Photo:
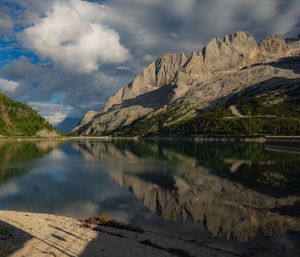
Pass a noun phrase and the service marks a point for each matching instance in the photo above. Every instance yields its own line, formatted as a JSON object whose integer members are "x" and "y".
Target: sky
{"x": 66, "y": 57}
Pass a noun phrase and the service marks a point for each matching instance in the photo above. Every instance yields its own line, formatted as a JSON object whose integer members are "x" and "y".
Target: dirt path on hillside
{"x": 236, "y": 112}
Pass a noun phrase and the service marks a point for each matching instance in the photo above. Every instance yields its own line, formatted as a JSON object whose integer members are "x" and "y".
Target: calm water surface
{"x": 223, "y": 190}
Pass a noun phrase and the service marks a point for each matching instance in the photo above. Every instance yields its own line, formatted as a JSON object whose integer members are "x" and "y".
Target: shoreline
{"x": 2, "y": 138}
{"x": 36, "y": 234}
{"x": 294, "y": 141}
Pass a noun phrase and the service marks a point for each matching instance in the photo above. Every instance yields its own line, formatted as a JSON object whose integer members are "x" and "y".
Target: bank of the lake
{"x": 22, "y": 139}
{"x": 24, "y": 234}
{"x": 282, "y": 140}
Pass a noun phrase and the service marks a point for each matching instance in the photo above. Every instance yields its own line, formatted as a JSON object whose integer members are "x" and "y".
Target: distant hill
{"x": 68, "y": 124}
{"x": 18, "y": 119}
{"x": 234, "y": 86}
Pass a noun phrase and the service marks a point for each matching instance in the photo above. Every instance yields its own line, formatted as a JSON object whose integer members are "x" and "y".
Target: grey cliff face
{"x": 87, "y": 118}
{"x": 195, "y": 80}
{"x": 234, "y": 52}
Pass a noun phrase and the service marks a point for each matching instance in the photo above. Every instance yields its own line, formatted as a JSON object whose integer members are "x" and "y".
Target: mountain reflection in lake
{"x": 236, "y": 191}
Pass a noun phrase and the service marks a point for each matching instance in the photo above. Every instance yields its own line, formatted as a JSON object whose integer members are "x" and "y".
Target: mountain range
{"x": 232, "y": 86}
{"x": 68, "y": 124}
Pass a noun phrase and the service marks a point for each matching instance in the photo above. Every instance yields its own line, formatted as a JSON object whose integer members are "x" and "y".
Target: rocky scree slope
{"x": 178, "y": 89}
{"x": 18, "y": 119}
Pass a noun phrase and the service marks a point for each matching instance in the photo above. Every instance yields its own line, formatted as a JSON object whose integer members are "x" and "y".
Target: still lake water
{"x": 224, "y": 190}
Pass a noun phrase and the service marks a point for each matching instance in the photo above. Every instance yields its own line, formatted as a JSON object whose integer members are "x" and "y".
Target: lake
{"x": 231, "y": 191}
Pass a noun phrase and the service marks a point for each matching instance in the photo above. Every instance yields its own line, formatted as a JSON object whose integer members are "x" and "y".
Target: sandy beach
{"x": 28, "y": 234}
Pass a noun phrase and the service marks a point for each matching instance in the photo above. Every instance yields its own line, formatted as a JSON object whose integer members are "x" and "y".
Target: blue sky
{"x": 65, "y": 57}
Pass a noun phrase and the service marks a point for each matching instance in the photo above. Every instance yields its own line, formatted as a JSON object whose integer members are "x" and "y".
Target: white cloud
{"x": 54, "y": 113}
{"x": 8, "y": 86}
{"x": 71, "y": 37}
{"x": 56, "y": 118}
{"x": 148, "y": 58}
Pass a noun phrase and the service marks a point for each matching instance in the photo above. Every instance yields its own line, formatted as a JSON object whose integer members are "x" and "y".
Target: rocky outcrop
{"x": 47, "y": 133}
{"x": 232, "y": 53}
{"x": 195, "y": 80}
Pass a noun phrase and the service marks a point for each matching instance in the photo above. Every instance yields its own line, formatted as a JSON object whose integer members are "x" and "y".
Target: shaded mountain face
{"x": 177, "y": 88}
{"x": 18, "y": 119}
{"x": 68, "y": 124}
{"x": 235, "y": 190}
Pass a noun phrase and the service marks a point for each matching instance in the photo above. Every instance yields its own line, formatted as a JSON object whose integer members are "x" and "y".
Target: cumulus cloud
{"x": 39, "y": 84}
{"x": 71, "y": 38}
{"x": 54, "y": 113}
{"x": 8, "y": 86}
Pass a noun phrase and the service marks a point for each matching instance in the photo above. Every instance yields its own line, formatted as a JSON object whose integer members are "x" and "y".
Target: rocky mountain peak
{"x": 222, "y": 67}
{"x": 235, "y": 51}
{"x": 274, "y": 46}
